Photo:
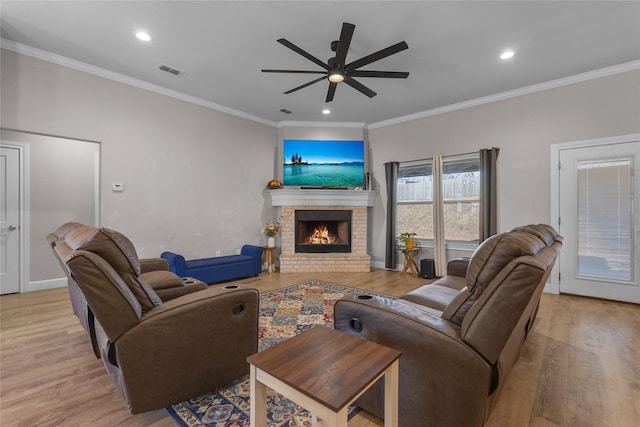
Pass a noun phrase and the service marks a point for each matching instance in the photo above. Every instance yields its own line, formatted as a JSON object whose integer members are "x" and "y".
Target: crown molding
{"x": 322, "y": 124}
{"x": 590, "y": 75}
{"x": 101, "y": 72}
{"x": 121, "y": 78}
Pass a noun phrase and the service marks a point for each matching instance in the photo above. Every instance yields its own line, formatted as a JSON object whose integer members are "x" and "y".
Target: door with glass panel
{"x": 599, "y": 221}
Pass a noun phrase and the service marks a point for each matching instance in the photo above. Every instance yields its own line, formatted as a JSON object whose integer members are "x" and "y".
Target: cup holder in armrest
{"x": 230, "y": 287}
{"x": 364, "y": 297}
{"x": 188, "y": 281}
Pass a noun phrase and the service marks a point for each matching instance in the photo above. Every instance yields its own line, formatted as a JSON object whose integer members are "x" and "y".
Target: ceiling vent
{"x": 170, "y": 70}
{"x": 284, "y": 110}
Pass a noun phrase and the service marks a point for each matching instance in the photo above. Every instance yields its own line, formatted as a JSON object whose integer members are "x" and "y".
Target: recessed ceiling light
{"x": 507, "y": 54}
{"x": 326, "y": 111}
{"x": 143, "y": 36}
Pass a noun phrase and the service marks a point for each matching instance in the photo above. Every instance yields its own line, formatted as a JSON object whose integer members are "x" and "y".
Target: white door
{"x": 599, "y": 221}
{"x": 9, "y": 220}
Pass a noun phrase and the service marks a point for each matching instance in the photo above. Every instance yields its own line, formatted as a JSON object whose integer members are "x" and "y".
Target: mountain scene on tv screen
{"x": 328, "y": 164}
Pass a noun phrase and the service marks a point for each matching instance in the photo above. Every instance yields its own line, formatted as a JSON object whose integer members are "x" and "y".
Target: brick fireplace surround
{"x": 355, "y": 200}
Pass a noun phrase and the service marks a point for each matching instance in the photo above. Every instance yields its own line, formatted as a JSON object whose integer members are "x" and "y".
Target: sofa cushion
{"x": 453, "y": 282}
{"x": 434, "y": 296}
{"x": 111, "y": 245}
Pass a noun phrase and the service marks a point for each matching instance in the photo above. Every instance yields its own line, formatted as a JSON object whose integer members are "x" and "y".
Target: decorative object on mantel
{"x": 274, "y": 184}
{"x": 407, "y": 239}
{"x": 271, "y": 230}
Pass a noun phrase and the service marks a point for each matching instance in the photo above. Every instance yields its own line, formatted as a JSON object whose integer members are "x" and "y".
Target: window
{"x": 415, "y": 199}
{"x": 461, "y": 193}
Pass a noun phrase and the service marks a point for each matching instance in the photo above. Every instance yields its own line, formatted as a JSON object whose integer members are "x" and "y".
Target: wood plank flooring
{"x": 579, "y": 367}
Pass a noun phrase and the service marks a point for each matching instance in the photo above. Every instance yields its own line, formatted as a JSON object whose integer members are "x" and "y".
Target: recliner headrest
{"x": 65, "y": 228}
{"x": 496, "y": 252}
{"x": 545, "y": 232}
{"x": 111, "y": 245}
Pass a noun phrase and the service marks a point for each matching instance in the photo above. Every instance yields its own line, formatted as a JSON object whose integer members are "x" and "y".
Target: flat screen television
{"x": 323, "y": 163}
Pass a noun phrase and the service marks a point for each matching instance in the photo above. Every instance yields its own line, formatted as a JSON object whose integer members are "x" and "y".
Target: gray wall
{"x": 523, "y": 128}
{"x": 193, "y": 177}
{"x": 62, "y": 176}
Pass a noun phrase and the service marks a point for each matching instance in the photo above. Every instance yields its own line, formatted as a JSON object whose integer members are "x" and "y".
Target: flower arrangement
{"x": 271, "y": 229}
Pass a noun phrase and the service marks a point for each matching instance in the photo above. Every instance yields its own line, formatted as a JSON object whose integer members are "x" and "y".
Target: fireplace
{"x": 322, "y": 231}
{"x": 293, "y": 201}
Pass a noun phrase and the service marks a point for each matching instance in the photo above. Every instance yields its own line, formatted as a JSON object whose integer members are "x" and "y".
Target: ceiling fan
{"x": 336, "y": 70}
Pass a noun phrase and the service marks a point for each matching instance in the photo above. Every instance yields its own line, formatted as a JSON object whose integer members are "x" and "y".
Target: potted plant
{"x": 408, "y": 239}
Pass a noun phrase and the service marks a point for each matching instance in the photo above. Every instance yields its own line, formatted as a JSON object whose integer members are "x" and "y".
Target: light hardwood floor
{"x": 579, "y": 367}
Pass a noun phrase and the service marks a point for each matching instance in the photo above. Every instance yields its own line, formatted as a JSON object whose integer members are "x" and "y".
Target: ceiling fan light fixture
{"x": 507, "y": 54}
{"x": 143, "y": 36}
{"x": 336, "y": 76}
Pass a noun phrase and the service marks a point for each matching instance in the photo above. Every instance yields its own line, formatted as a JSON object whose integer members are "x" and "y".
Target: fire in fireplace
{"x": 323, "y": 231}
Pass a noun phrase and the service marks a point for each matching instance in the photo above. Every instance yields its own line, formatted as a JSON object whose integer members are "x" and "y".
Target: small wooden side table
{"x": 409, "y": 260}
{"x": 268, "y": 256}
{"x": 324, "y": 370}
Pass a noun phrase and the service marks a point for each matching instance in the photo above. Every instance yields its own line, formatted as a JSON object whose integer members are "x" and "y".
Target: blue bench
{"x": 218, "y": 269}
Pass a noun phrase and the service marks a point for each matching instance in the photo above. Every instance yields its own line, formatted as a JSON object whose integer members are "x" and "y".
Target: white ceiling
{"x": 221, "y": 46}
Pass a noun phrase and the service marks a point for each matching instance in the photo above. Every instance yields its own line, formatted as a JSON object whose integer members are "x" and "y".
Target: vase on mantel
{"x": 271, "y": 242}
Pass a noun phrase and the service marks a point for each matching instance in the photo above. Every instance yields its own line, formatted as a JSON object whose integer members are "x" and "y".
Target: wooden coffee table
{"x": 323, "y": 370}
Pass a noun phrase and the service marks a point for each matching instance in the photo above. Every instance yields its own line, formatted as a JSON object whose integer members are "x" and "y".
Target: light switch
{"x": 118, "y": 188}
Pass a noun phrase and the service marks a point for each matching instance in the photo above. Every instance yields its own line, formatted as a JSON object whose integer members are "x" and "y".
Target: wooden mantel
{"x": 322, "y": 197}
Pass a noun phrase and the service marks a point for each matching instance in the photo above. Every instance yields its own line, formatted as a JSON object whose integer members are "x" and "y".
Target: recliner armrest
{"x": 154, "y": 264}
{"x": 188, "y": 346}
{"x": 458, "y": 267}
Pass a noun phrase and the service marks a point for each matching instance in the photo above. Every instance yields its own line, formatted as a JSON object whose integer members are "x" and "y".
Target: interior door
{"x": 9, "y": 220}
{"x": 599, "y": 221}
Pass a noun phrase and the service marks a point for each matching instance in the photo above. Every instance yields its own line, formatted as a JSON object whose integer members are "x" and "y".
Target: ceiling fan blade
{"x": 305, "y": 85}
{"x": 343, "y": 44}
{"x": 359, "y": 86}
{"x": 376, "y": 56}
{"x": 299, "y": 51}
{"x": 386, "y": 74}
{"x": 294, "y": 71}
{"x": 331, "y": 91}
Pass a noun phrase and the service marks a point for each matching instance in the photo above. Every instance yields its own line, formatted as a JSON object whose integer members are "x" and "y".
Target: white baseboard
{"x": 551, "y": 288}
{"x": 46, "y": 284}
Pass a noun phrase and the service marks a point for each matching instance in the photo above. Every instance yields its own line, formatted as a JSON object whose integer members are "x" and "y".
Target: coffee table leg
{"x": 336, "y": 419}
{"x": 391, "y": 395}
{"x": 258, "y": 397}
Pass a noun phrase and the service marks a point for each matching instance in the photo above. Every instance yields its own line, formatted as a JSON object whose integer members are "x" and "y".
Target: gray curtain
{"x": 488, "y": 193}
{"x": 391, "y": 178}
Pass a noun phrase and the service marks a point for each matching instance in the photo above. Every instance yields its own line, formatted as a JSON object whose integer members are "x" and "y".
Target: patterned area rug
{"x": 283, "y": 313}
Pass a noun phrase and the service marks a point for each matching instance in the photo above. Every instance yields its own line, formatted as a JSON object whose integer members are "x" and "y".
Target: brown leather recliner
{"x": 154, "y": 271}
{"x": 459, "y": 337}
{"x": 159, "y": 352}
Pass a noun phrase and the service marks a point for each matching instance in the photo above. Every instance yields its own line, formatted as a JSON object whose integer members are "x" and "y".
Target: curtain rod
{"x": 453, "y": 155}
